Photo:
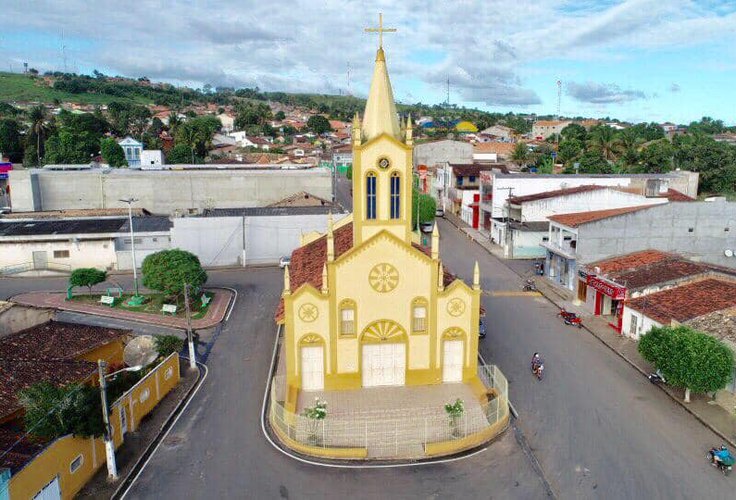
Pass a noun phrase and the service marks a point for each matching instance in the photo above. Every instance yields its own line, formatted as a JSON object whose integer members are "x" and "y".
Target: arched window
{"x": 395, "y": 195}
{"x": 419, "y": 316}
{"x": 370, "y": 196}
{"x": 347, "y": 317}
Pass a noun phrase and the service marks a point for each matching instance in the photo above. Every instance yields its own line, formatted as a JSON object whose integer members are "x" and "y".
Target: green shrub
{"x": 167, "y": 344}
{"x": 87, "y": 276}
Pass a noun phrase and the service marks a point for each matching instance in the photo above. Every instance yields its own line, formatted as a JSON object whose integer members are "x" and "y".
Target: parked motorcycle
{"x": 539, "y": 269}
{"x": 656, "y": 378}
{"x": 723, "y": 463}
{"x": 570, "y": 318}
{"x": 529, "y": 286}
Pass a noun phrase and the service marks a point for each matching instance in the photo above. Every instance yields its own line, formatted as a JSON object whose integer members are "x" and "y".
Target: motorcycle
{"x": 725, "y": 466}
{"x": 529, "y": 286}
{"x": 537, "y": 369}
{"x": 570, "y": 318}
{"x": 656, "y": 378}
{"x": 539, "y": 269}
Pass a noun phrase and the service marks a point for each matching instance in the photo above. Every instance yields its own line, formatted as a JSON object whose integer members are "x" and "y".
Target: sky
{"x": 635, "y": 60}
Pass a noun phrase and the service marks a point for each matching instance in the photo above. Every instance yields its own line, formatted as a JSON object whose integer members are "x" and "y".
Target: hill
{"x": 16, "y": 87}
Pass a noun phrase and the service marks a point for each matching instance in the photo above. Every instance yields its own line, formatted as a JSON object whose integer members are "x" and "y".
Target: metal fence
{"x": 397, "y": 432}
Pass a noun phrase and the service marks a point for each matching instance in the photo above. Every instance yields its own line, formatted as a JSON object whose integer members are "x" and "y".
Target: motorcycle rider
{"x": 537, "y": 363}
{"x": 720, "y": 455}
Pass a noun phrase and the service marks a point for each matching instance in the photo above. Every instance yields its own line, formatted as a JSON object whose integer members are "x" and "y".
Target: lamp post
{"x": 112, "y": 468}
{"x": 137, "y": 299}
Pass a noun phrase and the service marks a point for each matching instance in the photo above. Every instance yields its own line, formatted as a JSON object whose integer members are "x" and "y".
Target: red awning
{"x": 614, "y": 291}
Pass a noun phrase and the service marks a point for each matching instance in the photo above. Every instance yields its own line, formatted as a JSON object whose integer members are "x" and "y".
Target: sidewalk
{"x": 57, "y": 300}
{"x": 701, "y": 406}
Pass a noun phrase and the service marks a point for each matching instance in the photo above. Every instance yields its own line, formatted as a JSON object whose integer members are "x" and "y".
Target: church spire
{"x": 380, "y": 115}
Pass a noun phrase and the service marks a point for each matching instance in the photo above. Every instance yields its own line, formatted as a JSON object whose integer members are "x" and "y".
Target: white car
{"x": 284, "y": 261}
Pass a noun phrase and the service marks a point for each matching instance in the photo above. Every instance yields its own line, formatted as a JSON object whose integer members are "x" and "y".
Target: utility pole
{"x": 334, "y": 178}
{"x": 507, "y": 236}
{"x": 137, "y": 299}
{"x": 190, "y": 337}
{"x": 112, "y": 468}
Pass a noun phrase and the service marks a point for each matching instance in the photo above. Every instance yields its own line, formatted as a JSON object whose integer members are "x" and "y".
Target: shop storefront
{"x": 609, "y": 299}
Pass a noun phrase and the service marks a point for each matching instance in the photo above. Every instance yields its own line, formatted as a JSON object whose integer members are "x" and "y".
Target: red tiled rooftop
{"x": 57, "y": 340}
{"x": 23, "y": 448}
{"x": 554, "y": 194}
{"x": 307, "y": 262}
{"x": 660, "y": 272}
{"x": 576, "y": 219}
{"x": 675, "y": 195}
{"x": 687, "y": 302}
{"x": 630, "y": 261}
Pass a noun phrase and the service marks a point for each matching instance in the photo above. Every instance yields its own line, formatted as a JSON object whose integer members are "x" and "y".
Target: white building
{"x": 132, "y": 149}
{"x": 242, "y": 139}
{"x": 499, "y": 132}
{"x": 227, "y": 121}
{"x": 152, "y": 159}
{"x": 542, "y": 129}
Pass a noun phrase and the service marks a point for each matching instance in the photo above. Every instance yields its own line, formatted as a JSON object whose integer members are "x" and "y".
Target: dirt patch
{"x": 137, "y": 442}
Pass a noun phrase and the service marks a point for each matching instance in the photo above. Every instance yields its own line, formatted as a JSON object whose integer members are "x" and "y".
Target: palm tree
{"x": 628, "y": 144}
{"x": 38, "y": 126}
{"x": 174, "y": 122}
{"x": 520, "y": 154}
{"x": 603, "y": 138}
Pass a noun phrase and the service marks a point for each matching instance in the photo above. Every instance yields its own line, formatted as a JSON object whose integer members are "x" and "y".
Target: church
{"x": 364, "y": 305}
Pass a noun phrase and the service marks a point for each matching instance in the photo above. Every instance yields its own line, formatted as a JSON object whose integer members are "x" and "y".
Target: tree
{"x": 593, "y": 162}
{"x": 39, "y": 129}
{"x": 52, "y": 411}
{"x": 10, "y": 140}
{"x": 688, "y": 358}
{"x": 574, "y": 131}
{"x": 570, "y": 149}
{"x": 319, "y": 124}
{"x": 178, "y": 154}
{"x": 603, "y": 139}
{"x": 197, "y": 134}
{"x": 113, "y": 153}
{"x": 167, "y": 344}
{"x": 87, "y": 276}
{"x": 657, "y": 157}
{"x": 426, "y": 205}
{"x": 168, "y": 270}
{"x": 520, "y": 155}
{"x": 280, "y": 115}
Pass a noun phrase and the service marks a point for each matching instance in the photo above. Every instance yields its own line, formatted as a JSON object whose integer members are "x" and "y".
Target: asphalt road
{"x": 597, "y": 426}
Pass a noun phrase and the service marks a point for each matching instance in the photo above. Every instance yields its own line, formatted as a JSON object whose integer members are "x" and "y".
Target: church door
{"x": 313, "y": 369}
{"x": 452, "y": 361}
{"x": 384, "y": 364}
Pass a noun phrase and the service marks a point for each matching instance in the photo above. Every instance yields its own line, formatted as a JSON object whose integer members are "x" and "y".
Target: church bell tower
{"x": 382, "y": 160}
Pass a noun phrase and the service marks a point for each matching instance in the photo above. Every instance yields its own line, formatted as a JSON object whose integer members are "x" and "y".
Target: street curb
{"x": 225, "y": 315}
{"x": 621, "y": 355}
{"x": 132, "y": 475}
{"x": 354, "y": 464}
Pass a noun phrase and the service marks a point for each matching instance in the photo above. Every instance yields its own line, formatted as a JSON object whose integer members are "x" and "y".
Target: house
{"x": 542, "y": 129}
{"x": 668, "y": 127}
{"x": 63, "y": 244}
{"x": 152, "y": 159}
{"x": 242, "y": 139}
{"x": 499, "y": 132}
{"x": 493, "y": 151}
{"x": 362, "y": 306}
{"x": 132, "y": 149}
{"x": 527, "y": 215}
{"x": 457, "y": 189}
{"x": 228, "y": 122}
{"x": 442, "y": 151}
{"x": 605, "y": 286}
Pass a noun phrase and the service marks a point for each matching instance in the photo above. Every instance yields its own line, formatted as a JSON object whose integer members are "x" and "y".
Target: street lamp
{"x": 112, "y": 468}
{"x": 136, "y": 299}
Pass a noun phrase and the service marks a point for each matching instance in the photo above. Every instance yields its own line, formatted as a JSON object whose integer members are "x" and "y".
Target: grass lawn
{"x": 17, "y": 87}
{"x": 153, "y": 304}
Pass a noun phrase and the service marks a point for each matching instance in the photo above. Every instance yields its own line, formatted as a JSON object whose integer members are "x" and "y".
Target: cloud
{"x": 675, "y": 87}
{"x": 600, "y": 93}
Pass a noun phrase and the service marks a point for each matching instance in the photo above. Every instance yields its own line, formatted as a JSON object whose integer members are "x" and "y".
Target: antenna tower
{"x": 559, "y": 97}
{"x": 349, "y": 91}
{"x": 447, "y": 99}
{"x": 63, "y": 49}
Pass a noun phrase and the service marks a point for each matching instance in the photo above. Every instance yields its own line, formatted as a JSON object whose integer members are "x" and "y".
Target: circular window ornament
{"x": 383, "y": 277}
{"x": 144, "y": 395}
{"x": 456, "y": 307}
{"x": 384, "y": 162}
{"x": 308, "y": 312}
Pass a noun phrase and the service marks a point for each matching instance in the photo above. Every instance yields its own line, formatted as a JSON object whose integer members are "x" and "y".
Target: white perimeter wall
{"x": 85, "y": 253}
{"x": 602, "y": 199}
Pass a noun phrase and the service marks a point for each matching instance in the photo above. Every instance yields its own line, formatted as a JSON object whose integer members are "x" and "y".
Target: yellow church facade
{"x": 363, "y": 305}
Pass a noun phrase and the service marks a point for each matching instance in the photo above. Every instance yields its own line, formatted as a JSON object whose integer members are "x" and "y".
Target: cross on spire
{"x": 380, "y": 30}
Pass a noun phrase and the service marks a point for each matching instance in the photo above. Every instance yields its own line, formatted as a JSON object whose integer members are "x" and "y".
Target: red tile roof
{"x": 23, "y": 448}
{"x": 687, "y": 302}
{"x": 675, "y": 195}
{"x": 307, "y": 262}
{"x": 466, "y": 170}
{"x": 576, "y": 219}
{"x": 57, "y": 340}
{"x": 554, "y": 194}
{"x": 660, "y": 272}
{"x": 630, "y": 261}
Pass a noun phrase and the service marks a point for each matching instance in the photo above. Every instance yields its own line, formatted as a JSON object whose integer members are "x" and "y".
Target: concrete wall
{"x": 698, "y": 229}
{"x": 17, "y": 318}
{"x": 602, "y": 199}
{"x": 525, "y": 184}
{"x": 83, "y": 253}
{"x": 526, "y": 244}
{"x": 218, "y": 241}
{"x": 145, "y": 245}
{"x": 162, "y": 192}
{"x": 432, "y": 153}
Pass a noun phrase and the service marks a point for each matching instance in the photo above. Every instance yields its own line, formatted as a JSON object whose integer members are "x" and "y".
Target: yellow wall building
{"x": 363, "y": 306}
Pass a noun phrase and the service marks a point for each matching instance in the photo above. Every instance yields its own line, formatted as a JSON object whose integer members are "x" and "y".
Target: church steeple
{"x": 380, "y": 109}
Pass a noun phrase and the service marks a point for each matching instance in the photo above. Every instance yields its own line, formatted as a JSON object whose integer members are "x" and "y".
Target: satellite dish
{"x": 729, "y": 253}
{"x": 140, "y": 351}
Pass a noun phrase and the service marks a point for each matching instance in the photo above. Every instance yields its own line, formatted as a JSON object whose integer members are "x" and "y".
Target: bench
{"x": 205, "y": 300}
{"x": 108, "y": 300}
{"x": 168, "y": 309}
